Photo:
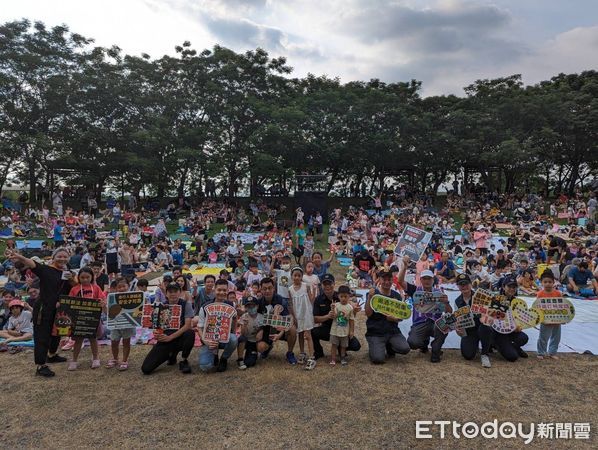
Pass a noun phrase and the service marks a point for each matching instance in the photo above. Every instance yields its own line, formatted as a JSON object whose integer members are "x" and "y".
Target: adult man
{"x": 424, "y": 324}
{"x": 323, "y": 317}
{"x": 581, "y": 280}
{"x": 206, "y": 294}
{"x": 445, "y": 269}
{"x": 271, "y": 303}
{"x": 208, "y": 353}
{"x": 383, "y": 333}
{"x": 471, "y": 337}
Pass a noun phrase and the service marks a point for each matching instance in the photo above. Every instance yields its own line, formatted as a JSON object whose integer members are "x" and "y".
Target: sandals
{"x": 123, "y": 366}
{"x": 111, "y": 363}
{"x": 540, "y": 357}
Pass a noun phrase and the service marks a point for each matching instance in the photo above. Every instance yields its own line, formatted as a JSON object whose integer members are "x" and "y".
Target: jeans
{"x": 420, "y": 334}
{"x": 550, "y": 335}
{"x": 206, "y": 355}
{"x": 378, "y": 346}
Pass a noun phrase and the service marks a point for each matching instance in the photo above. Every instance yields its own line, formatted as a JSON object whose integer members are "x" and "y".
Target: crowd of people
{"x": 515, "y": 245}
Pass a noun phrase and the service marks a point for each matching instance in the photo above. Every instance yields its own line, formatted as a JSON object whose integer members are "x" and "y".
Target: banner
{"x": 390, "y": 307}
{"x": 219, "y": 320}
{"x": 461, "y": 318}
{"x": 525, "y": 317}
{"x": 160, "y": 317}
{"x": 413, "y": 242}
{"x": 429, "y": 302}
{"x": 556, "y": 311}
{"x": 277, "y": 321}
{"x": 77, "y": 317}
{"x": 124, "y": 310}
{"x": 489, "y": 305}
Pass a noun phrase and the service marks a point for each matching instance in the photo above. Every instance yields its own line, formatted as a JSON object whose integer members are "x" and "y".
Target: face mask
{"x": 252, "y": 311}
{"x": 285, "y": 266}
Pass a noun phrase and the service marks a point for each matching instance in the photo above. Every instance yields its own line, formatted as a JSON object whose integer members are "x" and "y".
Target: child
{"x": 342, "y": 327}
{"x": 311, "y": 278}
{"x": 87, "y": 289}
{"x": 120, "y": 285}
{"x": 308, "y": 248}
{"x": 550, "y": 335}
{"x": 20, "y": 327}
{"x": 283, "y": 276}
{"x": 302, "y": 299}
{"x": 251, "y": 333}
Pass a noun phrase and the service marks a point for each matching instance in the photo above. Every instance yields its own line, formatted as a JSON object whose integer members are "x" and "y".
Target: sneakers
{"x": 310, "y": 364}
{"x": 44, "y": 371}
{"x": 291, "y": 358}
{"x": 184, "y": 366}
{"x": 302, "y": 358}
{"x": 95, "y": 363}
{"x": 241, "y": 364}
{"x": 222, "y": 365}
{"x": 73, "y": 365}
{"x": 435, "y": 358}
{"x": 56, "y": 359}
{"x": 344, "y": 361}
{"x": 68, "y": 345}
{"x": 486, "y": 361}
{"x": 522, "y": 353}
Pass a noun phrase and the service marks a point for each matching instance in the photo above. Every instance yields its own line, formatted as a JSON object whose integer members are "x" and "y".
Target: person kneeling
{"x": 252, "y": 331}
{"x": 171, "y": 342}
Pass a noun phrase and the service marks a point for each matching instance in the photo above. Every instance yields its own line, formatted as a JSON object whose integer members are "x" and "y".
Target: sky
{"x": 446, "y": 44}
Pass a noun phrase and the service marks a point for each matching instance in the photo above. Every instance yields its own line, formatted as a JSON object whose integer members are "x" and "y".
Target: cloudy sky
{"x": 447, "y": 44}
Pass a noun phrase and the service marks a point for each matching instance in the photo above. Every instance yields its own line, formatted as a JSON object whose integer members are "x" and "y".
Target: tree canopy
{"x": 95, "y": 117}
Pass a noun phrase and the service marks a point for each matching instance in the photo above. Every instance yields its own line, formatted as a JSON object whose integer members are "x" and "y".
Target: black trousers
{"x": 508, "y": 345}
{"x": 163, "y": 351}
{"x": 43, "y": 341}
{"x": 471, "y": 343}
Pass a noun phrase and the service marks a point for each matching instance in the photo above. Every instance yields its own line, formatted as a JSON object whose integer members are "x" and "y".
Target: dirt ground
{"x": 279, "y": 406}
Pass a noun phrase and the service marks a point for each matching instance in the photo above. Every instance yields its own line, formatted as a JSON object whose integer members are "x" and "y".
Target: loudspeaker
{"x": 311, "y": 202}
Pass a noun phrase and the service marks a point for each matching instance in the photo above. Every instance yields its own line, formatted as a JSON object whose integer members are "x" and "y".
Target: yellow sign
{"x": 390, "y": 307}
{"x": 525, "y": 317}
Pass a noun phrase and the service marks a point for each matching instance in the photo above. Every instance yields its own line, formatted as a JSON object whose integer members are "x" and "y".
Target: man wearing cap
{"x": 424, "y": 324}
{"x": 323, "y": 317}
{"x": 383, "y": 333}
{"x": 471, "y": 337}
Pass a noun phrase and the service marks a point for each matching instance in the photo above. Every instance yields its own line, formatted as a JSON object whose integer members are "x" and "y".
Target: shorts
{"x": 342, "y": 342}
{"x": 123, "y": 333}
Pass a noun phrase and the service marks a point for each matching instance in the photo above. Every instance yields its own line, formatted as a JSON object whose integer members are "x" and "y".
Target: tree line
{"x": 95, "y": 117}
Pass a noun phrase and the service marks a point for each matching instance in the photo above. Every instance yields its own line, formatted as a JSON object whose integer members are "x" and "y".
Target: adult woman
{"x": 54, "y": 280}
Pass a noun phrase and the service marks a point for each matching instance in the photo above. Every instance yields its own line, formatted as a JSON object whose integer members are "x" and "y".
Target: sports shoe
{"x": 184, "y": 366}
{"x": 522, "y": 353}
{"x": 44, "y": 371}
{"x": 486, "y": 361}
{"x": 69, "y": 344}
{"x": 344, "y": 361}
{"x": 435, "y": 358}
{"x": 222, "y": 364}
{"x": 241, "y": 364}
{"x": 73, "y": 365}
{"x": 291, "y": 358}
{"x": 310, "y": 364}
{"x": 95, "y": 363}
{"x": 56, "y": 359}
{"x": 302, "y": 358}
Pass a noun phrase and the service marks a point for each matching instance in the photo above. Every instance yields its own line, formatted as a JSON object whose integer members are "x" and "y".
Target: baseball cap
{"x": 463, "y": 278}
{"x": 509, "y": 280}
{"x": 328, "y": 278}
{"x": 426, "y": 273}
{"x": 250, "y": 301}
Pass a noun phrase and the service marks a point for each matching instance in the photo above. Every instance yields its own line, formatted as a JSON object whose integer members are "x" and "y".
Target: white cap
{"x": 426, "y": 273}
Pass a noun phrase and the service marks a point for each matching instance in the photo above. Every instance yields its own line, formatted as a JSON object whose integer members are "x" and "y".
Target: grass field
{"x": 279, "y": 406}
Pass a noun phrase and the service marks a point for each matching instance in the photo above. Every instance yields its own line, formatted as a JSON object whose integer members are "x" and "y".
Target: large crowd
{"x": 515, "y": 245}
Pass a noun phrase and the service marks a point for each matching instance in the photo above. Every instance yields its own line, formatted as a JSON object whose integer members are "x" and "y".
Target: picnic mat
{"x": 28, "y": 343}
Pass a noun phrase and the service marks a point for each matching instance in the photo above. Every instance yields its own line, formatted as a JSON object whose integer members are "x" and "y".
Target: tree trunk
{"x": 182, "y": 181}
{"x": 332, "y": 181}
{"x": 32, "y": 179}
{"x": 573, "y": 178}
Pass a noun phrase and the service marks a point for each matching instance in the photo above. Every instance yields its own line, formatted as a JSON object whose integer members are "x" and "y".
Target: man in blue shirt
{"x": 58, "y": 238}
{"x": 445, "y": 269}
{"x": 582, "y": 281}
